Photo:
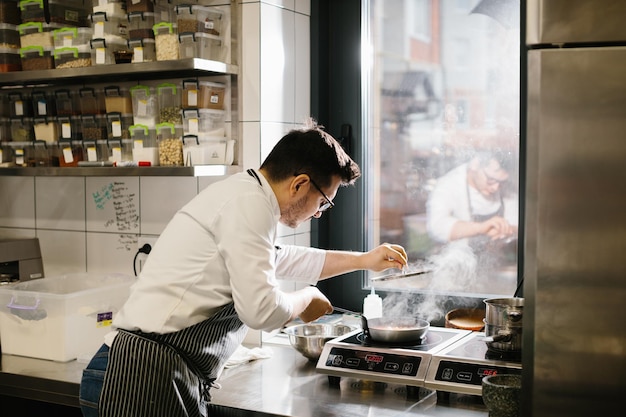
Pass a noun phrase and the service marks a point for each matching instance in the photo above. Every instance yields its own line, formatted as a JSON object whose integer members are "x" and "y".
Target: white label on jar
{"x": 67, "y": 40}
{"x": 92, "y": 155}
{"x": 116, "y": 153}
{"x": 116, "y": 128}
{"x": 193, "y": 126}
{"x": 41, "y": 108}
{"x": 209, "y": 24}
{"x": 142, "y": 107}
{"x": 214, "y": 99}
{"x": 98, "y": 30}
{"x": 190, "y": 51}
{"x": 192, "y": 98}
{"x": 19, "y": 156}
{"x": 138, "y": 54}
{"x": 102, "y": 3}
{"x": 138, "y": 144}
{"x": 19, "y": 108}
{"x": 67, "y": 155}
{"x": 66, "y": 130}
{"x": 100, "y": 55}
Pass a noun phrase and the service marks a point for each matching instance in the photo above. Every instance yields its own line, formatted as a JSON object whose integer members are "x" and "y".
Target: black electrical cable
{"x": 146, "y": 248}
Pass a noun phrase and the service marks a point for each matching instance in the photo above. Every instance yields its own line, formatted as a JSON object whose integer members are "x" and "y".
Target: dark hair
{"x": 503, "y": 157}
{"x": 311, "y": 151}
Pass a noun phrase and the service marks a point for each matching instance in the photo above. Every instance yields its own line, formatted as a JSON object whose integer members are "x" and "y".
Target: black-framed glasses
{"x": 328, "y": 204}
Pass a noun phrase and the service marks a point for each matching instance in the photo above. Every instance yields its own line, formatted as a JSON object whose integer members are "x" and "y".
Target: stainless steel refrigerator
{"x": 574, "y": 342}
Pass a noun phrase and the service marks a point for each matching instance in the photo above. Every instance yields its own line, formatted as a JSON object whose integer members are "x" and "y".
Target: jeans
{"x": 91, "y": 383}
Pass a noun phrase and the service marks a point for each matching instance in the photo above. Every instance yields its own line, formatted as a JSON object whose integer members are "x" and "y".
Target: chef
{"x": 212, "y": 274}
{"x": 469, "y": 206}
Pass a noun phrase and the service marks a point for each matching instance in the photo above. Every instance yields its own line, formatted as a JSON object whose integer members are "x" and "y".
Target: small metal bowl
{"x": 309, "y": 339}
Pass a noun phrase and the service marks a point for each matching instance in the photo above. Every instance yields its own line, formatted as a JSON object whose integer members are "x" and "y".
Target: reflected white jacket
{"x": 219, "y": 248}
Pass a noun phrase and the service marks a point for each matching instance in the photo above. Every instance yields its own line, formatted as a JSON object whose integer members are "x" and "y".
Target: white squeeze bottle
{"x": 372, "y": 306}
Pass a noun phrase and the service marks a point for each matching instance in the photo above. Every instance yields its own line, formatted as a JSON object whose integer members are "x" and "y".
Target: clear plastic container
{"x": 95, "y": 150}
{"x": 91, "y": 101}
{"x": 169, "y": 139}
{"x": 103, "y": 51}
{"x": 120, "y": 150}
{"x": 67, "y": 12}
{"x": 9, "y": 36}
{"x": 43, "y": 103}
{"x": 144, "y": 50}
{"x": 10, "y": 59}
{"x": 112, "y": 27}
{"x": 189, "y": 96}
{"x": 20, "y": 104}
{"x": 35, "y": 58}
{"x": 43, "y": 155}
{"x": 72, "y": 57}
{"x": 22, "y": 129}
{"x": 197, "y": 18}
{"x": 139, "y": 6}
{"x": 207, "y": 151}
{"x": 4, "y": 129}
{"x": 21, "y": 153}
{"x": 10, "y": 12}
{"x": 70, "y": 152}
{"x": 71, "y": 36}
{"x": 145, "y": 149}
{"x": 32, "y": 11}
{"x": 170, "y": 107}
{"x": 117, "y": 99}
{"x": 140, "y": 25}
{"x": 200, "y": 45}
{"x": 69, "y": 127}
{"x": 204, "y": 122}
{"x": 211, "y": 95}
{"x": 37, "y": 34}
{"x": 93, "y": 127}
{"x": 6, "y": 155}
{"x": 65, "y": 102}
{"x": 166, "y": 41}
{"x": 118, "y": 124}
{"x": 46, "y": 129}
{"x": 145, "y": 106}
{"x": 111, "y": 7}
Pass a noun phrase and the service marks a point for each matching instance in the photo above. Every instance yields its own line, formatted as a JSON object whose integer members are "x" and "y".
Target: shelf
{"x": 119, "y": 72}
{"x": 195, "y": 171}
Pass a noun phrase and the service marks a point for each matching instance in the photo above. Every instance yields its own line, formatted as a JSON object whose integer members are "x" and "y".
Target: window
{"x": 442, "y": 129}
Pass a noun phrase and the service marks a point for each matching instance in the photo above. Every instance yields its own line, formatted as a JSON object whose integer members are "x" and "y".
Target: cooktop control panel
{"x": 363, "y": 360}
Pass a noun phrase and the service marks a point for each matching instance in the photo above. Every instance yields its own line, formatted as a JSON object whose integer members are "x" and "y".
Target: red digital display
{"x": 373, "y": 358}
{"x": 487, "y": 371}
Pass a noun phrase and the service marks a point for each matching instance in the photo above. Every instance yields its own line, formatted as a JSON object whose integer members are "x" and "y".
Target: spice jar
{"x": 166, "y": 41}
{"x": 145, "y": 149}
{"x": 145, "y": 106}
{"x": 170, "y": 143}
{"x": 169, "y": 103}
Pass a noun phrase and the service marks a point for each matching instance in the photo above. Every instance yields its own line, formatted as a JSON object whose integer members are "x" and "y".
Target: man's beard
{"x": 289, "y": 216}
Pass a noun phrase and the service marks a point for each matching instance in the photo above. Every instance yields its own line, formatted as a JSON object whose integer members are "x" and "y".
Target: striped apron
{"x": 169, "y": 375}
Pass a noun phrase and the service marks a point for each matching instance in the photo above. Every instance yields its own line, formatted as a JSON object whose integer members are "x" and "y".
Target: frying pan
{"x": 391, "y": 329}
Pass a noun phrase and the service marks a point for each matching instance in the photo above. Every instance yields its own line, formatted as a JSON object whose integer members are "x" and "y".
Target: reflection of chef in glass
{"x": 469, "y": 203}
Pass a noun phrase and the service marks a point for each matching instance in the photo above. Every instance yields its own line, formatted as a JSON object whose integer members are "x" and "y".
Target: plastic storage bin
{"x": 166, "y": 41}
{"x": 207, "y": 151}
{"x": 116, "y": 7}
{"x": 118, "y": 124}
{"x": 69, "y": 127}
{"x": 60, "y": 318}
{"x": 139, "y": 6}
{"x": 93, "y": 126}
{"x": 46, "y": 129}
{"x": 32, "y": 11}
{"x": 211, "y": 95}
{"x": 65, "y": 102}
{"x": 169, "y": 139}
{"x": 140, "y": 25}
{"x": 9, "y": 36}
{"x": 10, "y": 12}
{"x": 145, "y": 149}
{"x": 43, "y": 103}
{"x": 103, "y": 51}
{"x": 36, "y": 58}
{"x": 145, "y": 106}
{"x": 200, "y": 45}
{"x": 197, "y": 18}
{"x": 10, "y": 59}
{"x": 20, "y": 104}
{"x": 37, "y": 34}
{"x": 22, "y": 129}
{"x": 120, "y": 150}
{"x": 67, "y": 12}
{"x": 169, "y": 103}
{"x": 118, "y": 100}
{"x": 21, "y": 153}
{"x": 204, "y": 122}
{"x": 144, "y": 50}
{"x": 71, "y": 36}
{"x": 112, "y": 27}
{"x": 70, "y": 152}
{"x": 72, "y": 57}
{"x": 91, "y": 101}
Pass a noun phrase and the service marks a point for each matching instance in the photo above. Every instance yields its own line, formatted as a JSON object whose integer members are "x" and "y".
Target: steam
{"x": 454, "y": 268}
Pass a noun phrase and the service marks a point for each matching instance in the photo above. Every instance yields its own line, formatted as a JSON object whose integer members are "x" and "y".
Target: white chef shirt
{"x": 217, "y": 249}
{"x": 449, "y": 203}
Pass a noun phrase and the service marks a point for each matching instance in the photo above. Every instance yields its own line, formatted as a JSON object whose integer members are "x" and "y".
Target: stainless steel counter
{"x": 286, "y": 384}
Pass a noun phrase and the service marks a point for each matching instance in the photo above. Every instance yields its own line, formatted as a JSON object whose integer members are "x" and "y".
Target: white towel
{"x": 245, "y": 355}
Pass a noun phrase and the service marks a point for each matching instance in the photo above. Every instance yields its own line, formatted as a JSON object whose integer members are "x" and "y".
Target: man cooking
{"x": 213, "y": 273}
{"x": 468, "y": 205}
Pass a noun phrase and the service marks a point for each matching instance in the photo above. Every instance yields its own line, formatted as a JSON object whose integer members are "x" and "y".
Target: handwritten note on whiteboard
{"x": 113, "y": 204}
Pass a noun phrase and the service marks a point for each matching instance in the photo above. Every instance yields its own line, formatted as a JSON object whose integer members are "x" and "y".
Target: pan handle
{"x": 366, "y": 329}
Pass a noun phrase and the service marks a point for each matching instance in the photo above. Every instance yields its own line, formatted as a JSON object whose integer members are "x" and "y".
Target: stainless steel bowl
{"x": 309, "y": 339}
